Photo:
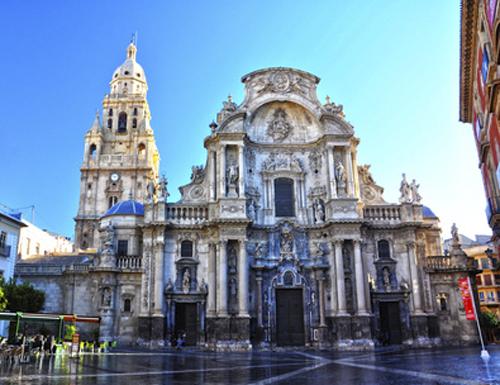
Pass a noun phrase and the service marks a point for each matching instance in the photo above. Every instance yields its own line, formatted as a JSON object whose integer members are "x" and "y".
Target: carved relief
{"x": 279, "y": 128}
{"x": 197, "y": 174}
{"x": 370, "y": 192}
{"x": 315, "y": 160}
{"x": 282, "y": 162}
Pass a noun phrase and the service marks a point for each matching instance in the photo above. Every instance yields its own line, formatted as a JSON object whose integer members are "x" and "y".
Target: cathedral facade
{"x": 280, "y": 239}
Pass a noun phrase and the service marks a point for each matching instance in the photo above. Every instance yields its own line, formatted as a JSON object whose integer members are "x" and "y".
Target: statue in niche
{"x": 286, "y": 242}
{"x": 186, "y": 281}
{"x": 346, "y": 257}
{"x": 232, "y": 174}
{"x": 170, "y": 286}
{"x": 252, "y": 209}
{"x": 319, "y": 212}
{"x": 106, "y": 297}
{"x": 232, "y": 255}
{"x": 386, "y": 277}
{"x": 233, "y": 288}
{"x": 405, "y": 191}
{"x": 162, "y": 188}
{"x": 415, "y": 196}
{"x": 340, "y": 177}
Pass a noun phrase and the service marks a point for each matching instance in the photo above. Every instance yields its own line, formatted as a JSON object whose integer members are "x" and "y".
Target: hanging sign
{"x": 463, "y": 285}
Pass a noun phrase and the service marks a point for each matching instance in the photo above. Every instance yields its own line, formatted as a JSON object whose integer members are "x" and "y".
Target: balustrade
{"x": 186, "y": 214}
{"x": 382, "y": 213}
{"x": 129, "y": 262}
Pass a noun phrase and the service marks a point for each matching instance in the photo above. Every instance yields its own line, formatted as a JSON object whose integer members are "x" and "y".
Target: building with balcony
{"x": 479, "y": 95}
{"x": 280, "y": 239}
{"x": 34, "y": 241}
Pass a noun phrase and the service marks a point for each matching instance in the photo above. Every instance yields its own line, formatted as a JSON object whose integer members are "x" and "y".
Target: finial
{"x": 132, "y": 47}
{"x": 130, "y": 196}
{"x": 229, "y": 98}
{"x": 327, "y": 99}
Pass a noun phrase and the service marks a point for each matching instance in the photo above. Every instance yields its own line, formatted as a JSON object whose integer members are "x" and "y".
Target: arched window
{"x": 141, "y": 150}
{"x": 122, "y": 122}
{"x": 135, "y": 111}
{"x": 134, "y": 123}
{"x": 92, "y": 151}
{"x": 110, "y": 112}
{"x": 113, "y": 200}
{"x": 127, "y": 305}
{"x": 384, "y": 250}
{"x": 284, "y": 203}
{"x": 187, "y": 249}
{"x": 110, "y": 123}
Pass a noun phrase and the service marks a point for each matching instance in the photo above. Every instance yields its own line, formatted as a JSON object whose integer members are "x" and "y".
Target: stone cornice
{"x": 468, "y": 37}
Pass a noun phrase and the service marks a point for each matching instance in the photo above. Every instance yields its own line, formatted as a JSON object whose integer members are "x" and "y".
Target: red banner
{"x": 463, "y": 285}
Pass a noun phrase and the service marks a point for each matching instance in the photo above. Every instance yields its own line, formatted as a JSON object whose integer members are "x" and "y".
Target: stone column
{"x": 222, "y": 289}
{"x": 333, "y": 285}
{"x": 415, "y": 284}
{"x": 360, "y": 278}
{"x": 339, "y": 264}
{"x": 259, "y": 300}
{"x": 158, "y": 291}
{"x": 212, "y": 282}
{"x": 243, "y": 281}
{"x": 331, "y": 172}
{"x": 213, "y": 177}
{"x": 348, "y": 165}
{"x": 241, "y": 173}
{"x": 222, "y": 171}
{"x": 355, "y": 172}
{"x": 321, "y": 289}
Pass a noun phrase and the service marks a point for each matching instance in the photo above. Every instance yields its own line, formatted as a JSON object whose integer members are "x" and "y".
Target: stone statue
{"x": 319, "y": 212}
{"x": 232, "y": 174}
{"x": 259, "y": 250}
{"x": 415, "y": 196}
{"x": 162, "y": 188}
{"x": 454, "y": 234}
{"x": 170, "y": 286}
{"x": 197, "y": 174}
{"x": 340, "y": 177}
{"x": 232, "y": 287}
{"x": 151, "y": 189}
{"x": 109, "y": 235}
{"x": 333, "y": 108}
{"x": 106, "y": 297}
{"x": 203, "y": 286}
{"x": 232, "y": 256}
{"x": 405, "y": 191}
{"x": 386, "y": 275}
{"x": 286, "y": 243}
{"x": 252, "y": 210}
{"x": 186, "y": 281}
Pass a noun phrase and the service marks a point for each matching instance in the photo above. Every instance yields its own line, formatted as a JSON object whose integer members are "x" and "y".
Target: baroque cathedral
{"x": 280, "y": 239}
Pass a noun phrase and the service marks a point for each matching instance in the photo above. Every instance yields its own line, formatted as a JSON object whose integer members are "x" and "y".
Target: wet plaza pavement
{"x": 442, "y": 366}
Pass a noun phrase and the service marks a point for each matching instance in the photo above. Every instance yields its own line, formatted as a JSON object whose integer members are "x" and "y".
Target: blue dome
{"x": 129, "y": 207}
{"x": 428, "y": 213}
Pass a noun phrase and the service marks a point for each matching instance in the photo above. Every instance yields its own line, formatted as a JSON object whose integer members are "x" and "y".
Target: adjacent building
{"x": 280, "y": 238}
{"x": 34, "y": 241}
{"x": 479, "y": 95}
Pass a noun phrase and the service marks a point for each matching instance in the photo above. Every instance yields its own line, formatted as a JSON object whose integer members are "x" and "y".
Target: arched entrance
{"x": 290, "y": 329}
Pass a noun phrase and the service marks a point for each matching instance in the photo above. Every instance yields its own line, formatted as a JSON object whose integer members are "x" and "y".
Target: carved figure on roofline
{"x": 415, "y": 196}
{"x": 162, "y": 189}
{"x": 405, "y": 191}
{"x": 151, "y": 189}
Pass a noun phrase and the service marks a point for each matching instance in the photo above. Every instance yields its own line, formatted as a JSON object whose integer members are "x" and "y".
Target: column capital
{"x": 338, "y": 242}
{"x": 411, "y": 244}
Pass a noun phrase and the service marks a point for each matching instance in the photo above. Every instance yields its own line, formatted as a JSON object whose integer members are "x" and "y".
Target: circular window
{"x": 116, "y": 75}
{"x": 138, "y": 75}
{"x": 127, "y": 73}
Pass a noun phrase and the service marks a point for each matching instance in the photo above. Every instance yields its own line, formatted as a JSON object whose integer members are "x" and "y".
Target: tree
{"x": 23, "y": 297}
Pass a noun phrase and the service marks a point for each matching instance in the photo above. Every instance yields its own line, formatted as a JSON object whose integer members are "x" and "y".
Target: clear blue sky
{"x": 394, "y": 65}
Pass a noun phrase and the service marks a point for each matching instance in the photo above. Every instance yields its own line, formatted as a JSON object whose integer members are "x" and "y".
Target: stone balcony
{"x": 382, "y": 213}
{"x": 129, "y": 262}
{"x": 186, "y": 214}
{"x": 116, "y": 160}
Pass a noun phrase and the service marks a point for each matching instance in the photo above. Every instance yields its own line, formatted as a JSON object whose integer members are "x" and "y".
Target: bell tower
{"x": 120, "y": 154}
